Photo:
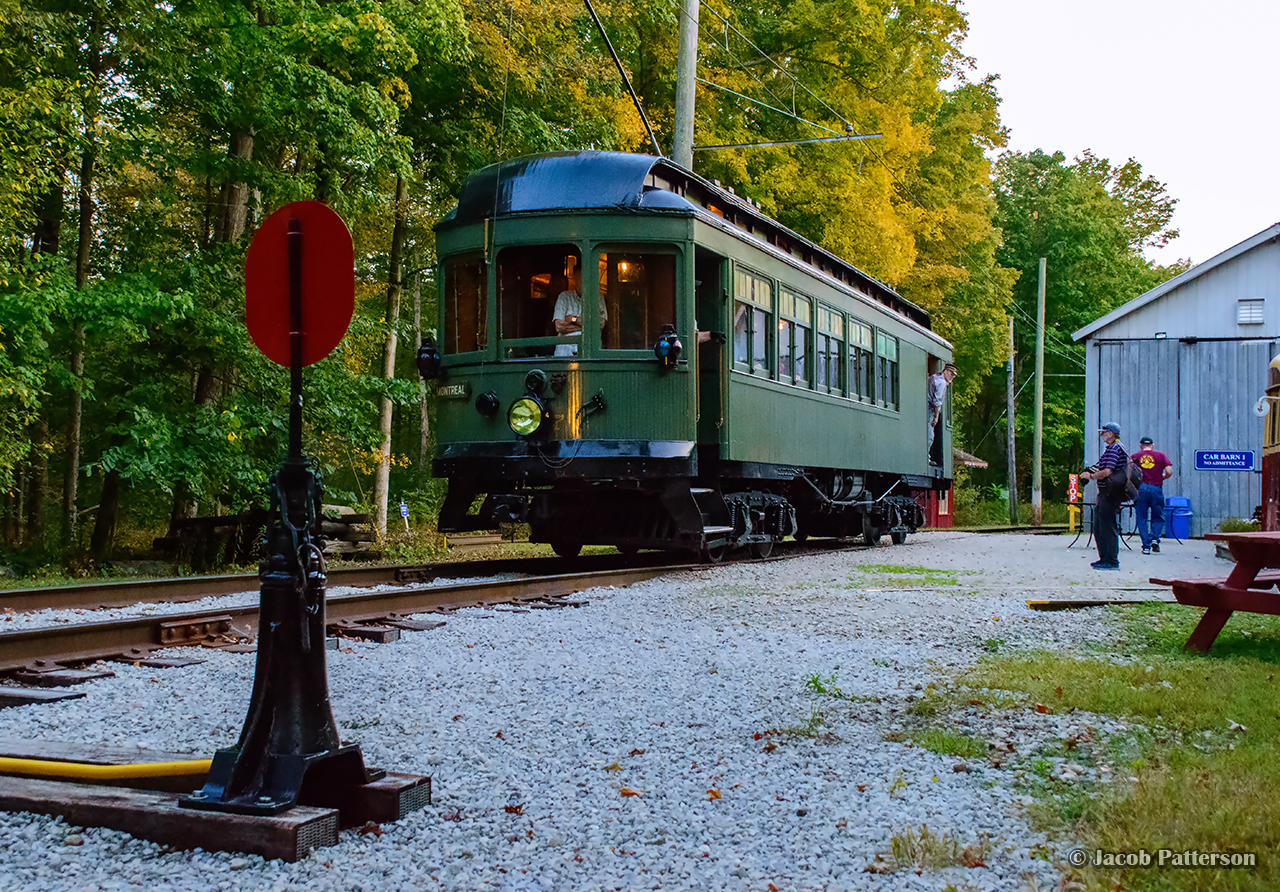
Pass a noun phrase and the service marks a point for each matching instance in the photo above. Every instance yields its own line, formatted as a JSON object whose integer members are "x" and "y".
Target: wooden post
{"x": 1010, "y": 410}
{"x": 1038, "y": 441}
{"x": 686, "y": 84}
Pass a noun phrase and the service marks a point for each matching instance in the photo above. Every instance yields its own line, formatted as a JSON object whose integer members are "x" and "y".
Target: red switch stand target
{"x": 299, "y": 296}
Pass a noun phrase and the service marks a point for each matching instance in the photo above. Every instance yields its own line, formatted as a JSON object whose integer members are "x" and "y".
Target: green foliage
{"x": 1090, "y": 220}
{"x": 1238, "y": 525}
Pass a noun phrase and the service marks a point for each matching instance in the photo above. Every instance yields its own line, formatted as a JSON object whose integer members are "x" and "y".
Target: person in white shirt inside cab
{"x": 567, "y": 314}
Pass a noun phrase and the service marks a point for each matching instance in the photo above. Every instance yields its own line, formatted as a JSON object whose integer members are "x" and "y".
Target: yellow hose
{"x": 86, "y": 771}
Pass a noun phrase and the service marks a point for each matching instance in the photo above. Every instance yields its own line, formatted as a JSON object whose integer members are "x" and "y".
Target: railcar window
{"x": 532, "y": 280}
{"x": 464, "y": 305}
{"x": 861, "y": 353}
{"x": 639, "y": 292}
{"x": 887, "y": 359}
{"x": 753, "y": 305}
{"x": 793, "y": 338}
{"x": 827, "y": 350}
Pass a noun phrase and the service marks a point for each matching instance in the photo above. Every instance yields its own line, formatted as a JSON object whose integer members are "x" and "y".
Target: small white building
{"x": 1185, "y": 364}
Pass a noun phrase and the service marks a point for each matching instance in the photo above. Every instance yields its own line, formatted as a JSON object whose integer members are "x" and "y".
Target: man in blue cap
{"x": 1110, "y": 473}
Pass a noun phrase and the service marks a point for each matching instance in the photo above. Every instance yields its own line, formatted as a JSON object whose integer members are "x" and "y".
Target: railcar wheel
{"x": 800, "y": 536}
{"x": 714, "y": 554}
{"x": 627, "y": 550}
{"x": 762, "y": 549}
{"x": 567, "y": 549}
{"x": 898, "y": 538}
{"x": 871, "y": 534}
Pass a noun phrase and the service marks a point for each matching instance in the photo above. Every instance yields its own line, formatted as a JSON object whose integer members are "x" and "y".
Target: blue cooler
{"x": 1177, "y": 516}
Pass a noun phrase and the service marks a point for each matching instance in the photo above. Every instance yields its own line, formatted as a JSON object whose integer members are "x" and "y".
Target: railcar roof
{"x": 577, "y": 181}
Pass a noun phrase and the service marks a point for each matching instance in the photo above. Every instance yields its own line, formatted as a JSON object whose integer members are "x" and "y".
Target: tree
{"x": 1090, "y": 220}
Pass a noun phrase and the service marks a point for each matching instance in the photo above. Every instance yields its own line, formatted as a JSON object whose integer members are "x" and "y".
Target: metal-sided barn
{"x": 1185, "y": 364}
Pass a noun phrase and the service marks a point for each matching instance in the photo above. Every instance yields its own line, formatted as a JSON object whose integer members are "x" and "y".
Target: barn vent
{"x": 1249, "y": 312}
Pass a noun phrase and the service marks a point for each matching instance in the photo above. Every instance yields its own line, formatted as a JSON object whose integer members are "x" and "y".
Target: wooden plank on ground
{"x": 11, "y": 696}
{"x": 157, "y": 817}
{"x": 92, "y": 754}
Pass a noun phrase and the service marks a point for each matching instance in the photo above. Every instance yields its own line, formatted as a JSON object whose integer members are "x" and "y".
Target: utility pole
{"x": 1038, "y": 442}
{"x": 686, "y": 84}
{"x": 1013, "y": 461}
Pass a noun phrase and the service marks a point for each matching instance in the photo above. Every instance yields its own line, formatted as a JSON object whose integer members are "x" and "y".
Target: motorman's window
{"x": 827, "y": 350}
{"x": 887, "y": 358}
{"x": 861, "y": 356}
{"x": 532, "y": 281}
{"x": 753, "y": 305}
{"x": 464, "y": 305}
{"x": 793, "y": 337}
{"x": 639, "y": 293}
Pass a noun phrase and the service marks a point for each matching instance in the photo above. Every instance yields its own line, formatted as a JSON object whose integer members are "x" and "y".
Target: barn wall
{"x": 1186, "y": 397}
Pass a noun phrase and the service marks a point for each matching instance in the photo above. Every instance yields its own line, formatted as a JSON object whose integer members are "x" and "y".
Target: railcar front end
{"x": 628, "y": 355}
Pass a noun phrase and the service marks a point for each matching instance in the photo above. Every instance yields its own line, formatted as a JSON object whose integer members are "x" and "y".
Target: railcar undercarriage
{"x": 739, "y": 505}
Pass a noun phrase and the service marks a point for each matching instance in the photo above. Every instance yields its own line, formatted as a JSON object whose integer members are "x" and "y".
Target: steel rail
{"x": 140, "y": 635}
{"x": 126, "y": 593}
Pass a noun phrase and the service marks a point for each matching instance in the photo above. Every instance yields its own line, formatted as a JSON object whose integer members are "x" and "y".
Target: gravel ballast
{"x": 688, "y": 691}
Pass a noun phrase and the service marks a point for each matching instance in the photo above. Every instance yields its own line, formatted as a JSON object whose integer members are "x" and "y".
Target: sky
{"x": 1187, "y": 89}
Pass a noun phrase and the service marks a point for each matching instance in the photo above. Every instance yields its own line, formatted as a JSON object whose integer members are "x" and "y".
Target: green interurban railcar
{"x": 713, "y": 380}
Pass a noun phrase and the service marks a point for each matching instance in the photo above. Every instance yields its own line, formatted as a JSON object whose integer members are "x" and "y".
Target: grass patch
{"x": 1205, "y": 772}
{"x": 896, "y": 576}
{"x": 945, "y": 743}
{"x": 926, "y": 850}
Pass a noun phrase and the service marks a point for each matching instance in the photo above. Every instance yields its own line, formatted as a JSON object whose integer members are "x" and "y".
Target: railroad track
{"x": 126, "y": 593}
{"x": 42, "y": 656}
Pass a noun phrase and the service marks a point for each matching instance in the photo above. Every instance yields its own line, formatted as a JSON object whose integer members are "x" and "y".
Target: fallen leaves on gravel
{"x": 371, "y": 827}
{"x": 712, "y": 795}
{"x": 614, "y": 767}
{"x": 514, "y": 809}
{"x": 627, "y": 791}
{"x": 637, "y": 753}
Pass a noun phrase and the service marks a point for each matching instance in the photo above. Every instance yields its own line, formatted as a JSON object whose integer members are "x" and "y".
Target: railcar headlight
{"x": 526, "y": 416}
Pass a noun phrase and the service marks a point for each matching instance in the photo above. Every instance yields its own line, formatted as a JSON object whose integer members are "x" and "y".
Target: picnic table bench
{"x": 1248, "y": 587}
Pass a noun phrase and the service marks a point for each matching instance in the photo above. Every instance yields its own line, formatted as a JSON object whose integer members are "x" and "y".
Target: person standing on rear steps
{"x": 1111, "y": 474}
{"x": 936, "y": 396}
{"x": 1156, "y": 469}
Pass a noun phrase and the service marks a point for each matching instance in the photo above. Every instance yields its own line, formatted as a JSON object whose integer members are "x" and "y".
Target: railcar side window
{"x": 793, "y": 338}
{"x": 639, "y": 292}
{"x": 861, "y": 352}
{"x": 753, "y": 305}
{"x": 828, "y": 348}
{"x": 533, "y": 282}
{"x": 887, "y": 359}
{"x": 464, "y": 305}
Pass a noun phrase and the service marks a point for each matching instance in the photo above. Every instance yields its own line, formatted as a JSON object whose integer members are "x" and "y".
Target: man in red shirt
{"x": 1156, "y": 469}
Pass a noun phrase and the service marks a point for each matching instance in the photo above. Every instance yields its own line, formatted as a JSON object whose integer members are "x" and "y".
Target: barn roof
{"x": 1266, "y": 235}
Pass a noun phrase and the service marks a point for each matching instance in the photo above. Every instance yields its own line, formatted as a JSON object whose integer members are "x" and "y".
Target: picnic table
{"x": 1248, "y": 587}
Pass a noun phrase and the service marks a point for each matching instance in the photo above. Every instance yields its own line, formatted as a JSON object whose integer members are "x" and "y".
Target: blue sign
{"x": 404, "y": 510}
{"x": 1224, "y": 460}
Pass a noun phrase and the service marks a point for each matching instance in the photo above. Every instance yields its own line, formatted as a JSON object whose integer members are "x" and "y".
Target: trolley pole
{"x": 1038, "y": 441}
{"x": 1010, "y": 412}
{"x": 686, "y": 84}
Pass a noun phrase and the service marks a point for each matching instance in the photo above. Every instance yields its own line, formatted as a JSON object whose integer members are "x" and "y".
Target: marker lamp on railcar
{"x": 526, "y": 416}
{"x": 668, "y": 347}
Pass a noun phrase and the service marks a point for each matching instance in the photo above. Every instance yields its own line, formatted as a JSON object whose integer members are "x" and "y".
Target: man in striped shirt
{"x": 1110, "y": 473}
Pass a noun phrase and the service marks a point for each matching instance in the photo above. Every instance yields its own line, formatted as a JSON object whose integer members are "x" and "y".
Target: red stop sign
{"x": 328, "y": 282}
